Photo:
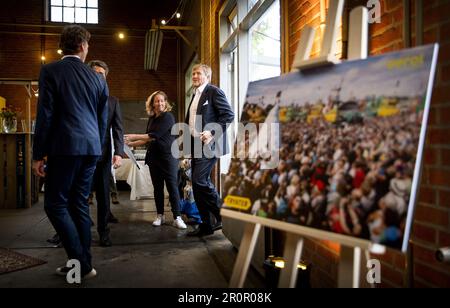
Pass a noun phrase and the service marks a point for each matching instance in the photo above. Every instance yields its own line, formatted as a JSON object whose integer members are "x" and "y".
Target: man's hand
{"x": 206, "y": 137}
{"x": 38, "y": 168}
{"x": 117, "y": 161}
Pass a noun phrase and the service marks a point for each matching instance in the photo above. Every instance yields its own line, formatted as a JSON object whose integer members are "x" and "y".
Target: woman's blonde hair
{"x": 149, "y": 104}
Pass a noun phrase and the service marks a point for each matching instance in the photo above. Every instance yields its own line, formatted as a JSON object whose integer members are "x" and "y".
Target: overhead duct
{"x": 153, "y": 43}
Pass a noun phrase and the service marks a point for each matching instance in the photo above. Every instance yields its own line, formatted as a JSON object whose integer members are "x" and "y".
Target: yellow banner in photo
{"x": 2, "y": 102}
{"x": 238, "y": 203}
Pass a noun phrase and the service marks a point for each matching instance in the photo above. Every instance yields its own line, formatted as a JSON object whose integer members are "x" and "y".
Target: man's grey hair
{"x": 205, "y": 68}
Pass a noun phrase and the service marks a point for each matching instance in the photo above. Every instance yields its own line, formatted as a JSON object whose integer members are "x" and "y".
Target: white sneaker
{"x": 62, "y": 271}
{"x": 159, "y": 220}
{"x": 179, "y": 223}
{"x": 90, "y": 275}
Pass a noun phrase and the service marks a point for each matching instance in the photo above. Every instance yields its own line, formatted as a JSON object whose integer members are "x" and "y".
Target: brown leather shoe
{"x": 91, "y": 199}
{"x": 112, "y": 219}
{"x": 217, "y": 226}
{"x": 200, "y": 232}
{"x": 114, "y": 199}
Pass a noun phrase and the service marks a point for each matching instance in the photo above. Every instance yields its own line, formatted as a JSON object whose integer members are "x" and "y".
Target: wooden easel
{"x": 351, "y": 248}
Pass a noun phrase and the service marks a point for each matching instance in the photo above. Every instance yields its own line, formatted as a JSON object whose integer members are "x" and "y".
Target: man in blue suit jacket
{"x": 208, "y": 117}
{"x": 71, "y": 122}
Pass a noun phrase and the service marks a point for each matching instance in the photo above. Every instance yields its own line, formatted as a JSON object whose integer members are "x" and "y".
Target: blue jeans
{"x": 67, "y": 187}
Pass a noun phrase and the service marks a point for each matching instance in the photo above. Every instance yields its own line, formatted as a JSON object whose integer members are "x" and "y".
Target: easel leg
{"x": 364, "y": 267}
{"x": 349, "y": 267}
{"x": 292, "y": 253}
{"x": 245, "y": 254}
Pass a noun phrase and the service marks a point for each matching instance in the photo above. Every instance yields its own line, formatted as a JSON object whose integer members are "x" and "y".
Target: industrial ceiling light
{"x": 178, "y": 15}
{"x": 121, "y": 35}
{"x": 153, "y": 43}
{"x": 163, "y": 22}
{"x": 59, "y": 51}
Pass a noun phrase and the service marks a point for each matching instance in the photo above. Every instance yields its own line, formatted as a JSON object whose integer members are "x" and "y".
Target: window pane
{"x": 233, "y": 19}
{"x": 265, "y": 48}
{"x": 56, "y": 14}
{"x": 56, "y": 2}
{"x": 80, "y": 15}
{"x": 69, "y": 14}
{"x": 92, "y": 3}
{"x": 80, "y": 3}
{"x": 69, "y": 2}
{"x": 251, "y": 3}
{"x": 92, "y": 16}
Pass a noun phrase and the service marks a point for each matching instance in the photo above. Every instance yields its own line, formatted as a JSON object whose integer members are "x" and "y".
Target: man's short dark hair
{"x": 72, "y": 37}
{"x": 99, "y": 63}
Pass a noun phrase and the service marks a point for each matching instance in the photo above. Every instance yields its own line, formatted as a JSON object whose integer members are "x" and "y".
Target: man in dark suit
{"x": 209, "y": 107}
{"x": 103, "y": 171}
{"x": 71, "y": 121}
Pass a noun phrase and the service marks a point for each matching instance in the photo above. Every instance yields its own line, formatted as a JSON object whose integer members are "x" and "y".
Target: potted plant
{"x": 8, "y": 117}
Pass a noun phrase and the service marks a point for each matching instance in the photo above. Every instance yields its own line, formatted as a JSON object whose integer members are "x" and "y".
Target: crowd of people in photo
{"x": 348, "y": 178}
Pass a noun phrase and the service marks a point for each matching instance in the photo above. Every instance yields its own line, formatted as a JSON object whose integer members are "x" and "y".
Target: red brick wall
{"x": 127, "y": 78}
{"x": 431, "y": 224}
{"x": 300, "y": 14}
{"x": 20, "y": 54}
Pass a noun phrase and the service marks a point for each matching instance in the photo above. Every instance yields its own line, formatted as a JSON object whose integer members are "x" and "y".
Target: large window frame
{"x": 234, "y": 42}
{"x": 73, "y": 11}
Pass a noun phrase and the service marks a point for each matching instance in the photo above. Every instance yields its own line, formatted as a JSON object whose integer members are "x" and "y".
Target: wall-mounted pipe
{"x": 419, "y": 22}
{"x": 407, "y": 23}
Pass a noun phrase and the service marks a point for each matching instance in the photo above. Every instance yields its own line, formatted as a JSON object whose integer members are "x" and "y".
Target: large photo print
{"x": 350, "y": 144}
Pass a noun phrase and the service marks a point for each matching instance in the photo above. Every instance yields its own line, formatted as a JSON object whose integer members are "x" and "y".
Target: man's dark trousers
{"x": 205, "y": 194}
{"x": 101, "y": 186}
{"x": 67, "y": 187}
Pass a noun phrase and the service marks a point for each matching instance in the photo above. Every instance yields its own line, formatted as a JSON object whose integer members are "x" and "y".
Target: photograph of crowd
{"x": 350, "y": 140}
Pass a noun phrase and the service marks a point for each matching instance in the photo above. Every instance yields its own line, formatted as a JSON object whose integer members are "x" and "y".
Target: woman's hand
{"x": 136, "y": 143}
{"x": 131, "y": 138}
{"x": 134, "y": 140}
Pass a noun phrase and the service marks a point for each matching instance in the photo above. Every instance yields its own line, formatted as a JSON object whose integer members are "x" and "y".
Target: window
{"x": 74, "y": 11}
{"x": 251, "y": 4}
{"x": 265, "y": 55}
{"x": 232, "y": 21}
{"x": 250, "y": 50}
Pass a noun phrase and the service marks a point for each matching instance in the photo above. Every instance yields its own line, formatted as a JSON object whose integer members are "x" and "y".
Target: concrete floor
{"x": 142, "y": 256}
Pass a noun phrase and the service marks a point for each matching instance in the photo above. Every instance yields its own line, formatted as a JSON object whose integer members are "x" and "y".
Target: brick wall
{"x": 431, "y": 225}
{"x": 20, "y": 54}
{"x": 303, "y": 13}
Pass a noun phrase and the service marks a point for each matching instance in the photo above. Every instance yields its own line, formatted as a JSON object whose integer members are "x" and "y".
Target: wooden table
{"x": 19, "y": 188}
